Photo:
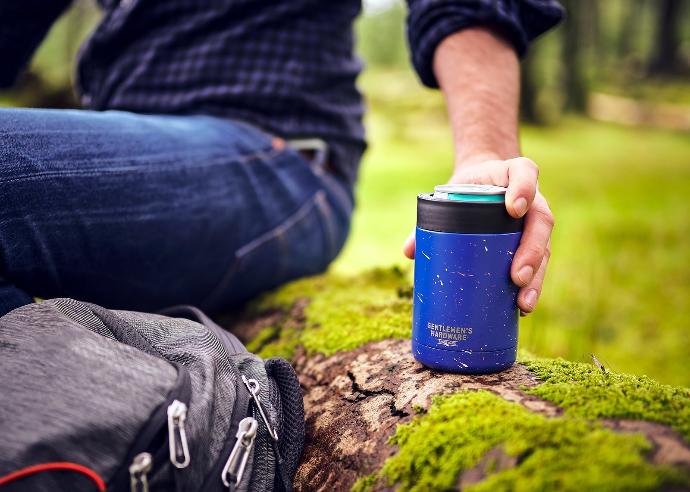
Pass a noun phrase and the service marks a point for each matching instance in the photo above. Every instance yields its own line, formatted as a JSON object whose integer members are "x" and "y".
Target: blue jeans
{"x": 140, "y": 212}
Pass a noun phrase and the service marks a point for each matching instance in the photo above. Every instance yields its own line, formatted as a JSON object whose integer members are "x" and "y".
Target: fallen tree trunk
{"x": 378, "y": 420}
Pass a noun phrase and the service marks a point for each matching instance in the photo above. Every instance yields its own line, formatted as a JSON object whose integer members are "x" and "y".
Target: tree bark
{"x": 356, "y": 399}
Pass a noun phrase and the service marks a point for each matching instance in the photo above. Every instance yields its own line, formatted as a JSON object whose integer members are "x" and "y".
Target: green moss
{"x": 563, "y": 453}
{"x": 343, "y": 313}
{"x": 270, "y": 343}
{"x": 585, "y": 390}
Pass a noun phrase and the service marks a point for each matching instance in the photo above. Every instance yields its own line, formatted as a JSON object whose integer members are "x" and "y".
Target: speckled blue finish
{"x": 465, "y": 316}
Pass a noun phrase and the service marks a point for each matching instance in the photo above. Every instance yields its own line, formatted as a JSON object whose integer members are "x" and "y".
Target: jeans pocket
{"x": 302, "y": 245}
{"x": 309, "y": 245}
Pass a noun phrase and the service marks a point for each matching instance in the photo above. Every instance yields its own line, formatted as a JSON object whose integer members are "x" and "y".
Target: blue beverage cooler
{"x": 465, "y": 316}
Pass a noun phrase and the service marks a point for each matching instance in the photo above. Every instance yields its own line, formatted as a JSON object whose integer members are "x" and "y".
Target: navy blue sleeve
{"x": 23, "y": 25}
{"x": 430, "y": 21}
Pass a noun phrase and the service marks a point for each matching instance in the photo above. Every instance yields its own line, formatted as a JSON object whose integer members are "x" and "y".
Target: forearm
{"x": 479, "y": 73}
{"x": 480, "y": 77}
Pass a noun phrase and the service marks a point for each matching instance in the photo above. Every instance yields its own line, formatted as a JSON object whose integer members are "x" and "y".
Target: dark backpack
{"x": 93, "y": 398}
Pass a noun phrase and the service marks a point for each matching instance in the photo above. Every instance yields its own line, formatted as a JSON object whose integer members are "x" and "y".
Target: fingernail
{"x": 531, "y": 298}
{"x": 525, "y": 274}
{"x": 520, "y": 206}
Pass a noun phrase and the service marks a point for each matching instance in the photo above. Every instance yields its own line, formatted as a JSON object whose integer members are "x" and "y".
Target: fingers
{"x": 519, "y": 175}
{"x": 529, "y": 295}
{"x": 408, "y": 247}
{"x": 522, "y": 186}
{"x": 535, "y": 244}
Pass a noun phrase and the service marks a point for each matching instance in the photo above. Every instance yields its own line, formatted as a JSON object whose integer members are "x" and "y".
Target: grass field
{"x": 619, "y": 281}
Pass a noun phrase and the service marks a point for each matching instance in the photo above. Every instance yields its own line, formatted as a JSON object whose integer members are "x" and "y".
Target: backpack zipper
{"x": 239, "y": 408}
{"x": 152, "y": 437}
{"x": 177, "y": 436}
{"x": 254, "y": 388}
{"x": 138, "y": 472}
{"x": 237, "y": 461}
{"x": 142, "y": 463}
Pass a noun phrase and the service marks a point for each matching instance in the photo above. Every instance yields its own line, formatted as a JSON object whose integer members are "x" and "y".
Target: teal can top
{"x": 481, "y": 193}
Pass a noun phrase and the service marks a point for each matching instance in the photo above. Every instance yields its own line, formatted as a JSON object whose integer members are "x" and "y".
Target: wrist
{"x": 479, "y": 75}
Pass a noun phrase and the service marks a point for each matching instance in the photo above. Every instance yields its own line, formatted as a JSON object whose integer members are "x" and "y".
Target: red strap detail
{"x": 58, "y": 465}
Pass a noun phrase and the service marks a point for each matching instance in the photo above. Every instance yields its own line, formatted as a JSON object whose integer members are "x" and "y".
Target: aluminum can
{"x": 465, "y": 316}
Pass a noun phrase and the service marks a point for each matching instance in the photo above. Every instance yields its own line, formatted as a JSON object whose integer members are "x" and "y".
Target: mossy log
{"x": 378, "y": 420}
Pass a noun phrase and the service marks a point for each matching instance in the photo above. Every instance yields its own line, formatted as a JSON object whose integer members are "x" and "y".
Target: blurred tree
{"x": 630, "y": 29}
{"x": 574, "y": 31}
{"x": 666, "y": 59}
{"x": 592, "y": 28}
{"x": 381, "y": 37}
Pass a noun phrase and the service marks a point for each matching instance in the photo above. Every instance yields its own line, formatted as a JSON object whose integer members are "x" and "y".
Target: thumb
{"x": 408, "y": 247}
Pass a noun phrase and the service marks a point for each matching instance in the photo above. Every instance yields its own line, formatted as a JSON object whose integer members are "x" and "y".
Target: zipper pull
{"x": 237, "y": 461}
{"x": 177, "y": 436}
{"x": 138, "y": 472}
{"x": 254, "y": 387}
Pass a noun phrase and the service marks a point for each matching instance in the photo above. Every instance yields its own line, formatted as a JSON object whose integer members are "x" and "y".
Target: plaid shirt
{"x": 286, "y": 66}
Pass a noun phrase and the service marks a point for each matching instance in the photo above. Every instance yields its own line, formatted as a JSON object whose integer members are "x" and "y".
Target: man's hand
{"x": 479, "y": 73}
{"x": 519, "y": 175}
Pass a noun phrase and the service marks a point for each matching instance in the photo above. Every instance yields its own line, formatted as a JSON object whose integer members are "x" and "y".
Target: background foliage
{"x": 606, "y": 100}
